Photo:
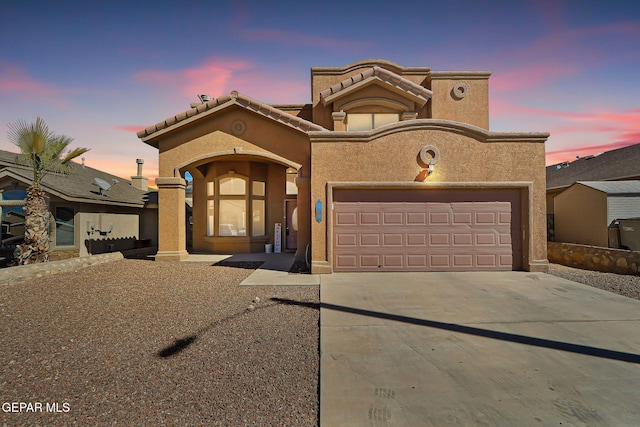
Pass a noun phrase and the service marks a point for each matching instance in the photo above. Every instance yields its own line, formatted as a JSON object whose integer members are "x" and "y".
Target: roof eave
{"x": 152, "y": 133}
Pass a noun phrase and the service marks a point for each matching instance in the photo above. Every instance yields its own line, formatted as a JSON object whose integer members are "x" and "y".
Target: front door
{"x": 291, "y": 239}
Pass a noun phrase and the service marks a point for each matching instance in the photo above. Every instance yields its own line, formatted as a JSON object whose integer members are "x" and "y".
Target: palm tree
{"x": 42, "y": 150}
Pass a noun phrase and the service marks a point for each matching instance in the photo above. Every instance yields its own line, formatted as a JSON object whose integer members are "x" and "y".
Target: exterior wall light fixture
{"x": 427, "y": 159}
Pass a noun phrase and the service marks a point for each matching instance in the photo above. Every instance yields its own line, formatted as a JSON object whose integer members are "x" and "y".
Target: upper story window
{"x": 368, "y": 121}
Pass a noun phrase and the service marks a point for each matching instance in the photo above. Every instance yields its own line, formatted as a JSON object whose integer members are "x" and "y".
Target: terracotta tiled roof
{"x": 384, "y": 75}
{"x": 619, "y": 164}
{"x": 234, "y": 98}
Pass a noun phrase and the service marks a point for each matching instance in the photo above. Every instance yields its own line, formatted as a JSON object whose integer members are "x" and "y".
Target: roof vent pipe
{"x": 140, "y": 162}
{"x": 140, "y": 181}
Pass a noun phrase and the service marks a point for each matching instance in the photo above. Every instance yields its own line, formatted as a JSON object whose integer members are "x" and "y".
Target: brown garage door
{"x": 422, "y": 236}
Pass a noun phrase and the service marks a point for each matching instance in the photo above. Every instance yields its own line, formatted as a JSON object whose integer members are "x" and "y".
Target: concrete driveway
{"x": 495, "y": 349}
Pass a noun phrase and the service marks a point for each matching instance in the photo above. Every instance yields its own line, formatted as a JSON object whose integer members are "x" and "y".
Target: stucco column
{"x": 171, "y": 219}
{"x": 338, "y": 120}
{"x": 304, "y": 215}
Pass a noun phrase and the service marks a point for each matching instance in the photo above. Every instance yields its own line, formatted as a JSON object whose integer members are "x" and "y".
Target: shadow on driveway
{"x": 520, "y": 339}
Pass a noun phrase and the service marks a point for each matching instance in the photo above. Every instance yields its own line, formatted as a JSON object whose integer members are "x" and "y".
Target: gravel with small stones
{"x": 136, "y": 342}
{"x": 621, "y": 284}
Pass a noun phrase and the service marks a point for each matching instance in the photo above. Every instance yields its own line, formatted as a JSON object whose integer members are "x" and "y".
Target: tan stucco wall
{"x": 392, "y": 157}
{"x": 472, "y": 108}
{"x": 581, "y": 216}
{"x": 171, "y": 217}
{"x": 551, "y": 194}
{"x": 127, "y": 223}
{"x": 201, "y": 139}
{"x": 119, "y": 230}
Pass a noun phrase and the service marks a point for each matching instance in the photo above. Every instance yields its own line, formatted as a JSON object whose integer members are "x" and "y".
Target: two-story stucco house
{"x": 389, "y": 168}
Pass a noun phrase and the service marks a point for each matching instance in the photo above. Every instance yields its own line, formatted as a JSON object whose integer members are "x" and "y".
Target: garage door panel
{"x": 393, "y": 239}
{"x": 462, "y": 239}
{"x": 483, "y": 239}
{"x": 506, "y": 260}
{"x": 504, "y": 218}
{"x": 370, "y": 260}
{"x": 460, "y": 218}
{"x": 439, "y": 239}
{"x": 393, "y": 218}
{"x": 346, "y": 240}
{"x": 346, "y": 261}
{"x": 416, "y": 218}
{"x": 439, "y": 260}
{"x": 422, "y": 236}
{"x": 439, "y": 218}
{"x": 346, "y": 219}
{"x": 393, "y": 261}
{"x": 370, "y": 218}
{"x": 370, "y": 239}
{"x": 463, "y": 260}
{"x": 487, "y": 260}
{"x": 417, "y": 261}
{"x": 416, "y": 239}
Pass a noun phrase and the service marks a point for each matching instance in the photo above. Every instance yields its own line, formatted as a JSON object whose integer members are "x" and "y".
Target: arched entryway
{"x": 240, "y": 200}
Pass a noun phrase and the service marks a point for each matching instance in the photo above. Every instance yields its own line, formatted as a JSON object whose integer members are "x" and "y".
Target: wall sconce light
{"x": 427, "y": 159}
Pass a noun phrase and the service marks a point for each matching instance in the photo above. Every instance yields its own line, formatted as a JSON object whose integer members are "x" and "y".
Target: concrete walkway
{"x": 495, "y": 349}
{"x": 273, "y": 271}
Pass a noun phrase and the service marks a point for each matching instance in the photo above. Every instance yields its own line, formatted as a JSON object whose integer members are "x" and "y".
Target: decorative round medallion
{"x": 238, "y": 127}
{"x": 460, "y": 90}
{"x": 429, "y": 155}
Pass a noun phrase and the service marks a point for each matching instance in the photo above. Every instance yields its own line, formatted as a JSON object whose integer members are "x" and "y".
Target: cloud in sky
{"x": 619, "y": 127}
{"x": 16, "y": 79}
{"x": 531, "y": 77}
{"x": 212, "y": 76}
{"x": 554, "y": 157}
{"x": 130, "y": 129}
{"x": 217, "y": 76}
{"x": 585, "y": 46}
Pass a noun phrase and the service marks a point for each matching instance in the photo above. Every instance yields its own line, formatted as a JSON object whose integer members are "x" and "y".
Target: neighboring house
{"x": 86, "y": 219}
{"x": 621, "y": 164}
{"x": 585, "y": 211}
{"x": 389, "y": 168}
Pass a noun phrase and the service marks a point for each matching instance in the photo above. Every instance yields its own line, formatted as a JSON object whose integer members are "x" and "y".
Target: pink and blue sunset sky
{"x": 99, "y": 71}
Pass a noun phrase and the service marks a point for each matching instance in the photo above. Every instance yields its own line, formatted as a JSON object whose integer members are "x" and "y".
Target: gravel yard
{"x": 628, "y": 286}
{"x": 135, "y": 342}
